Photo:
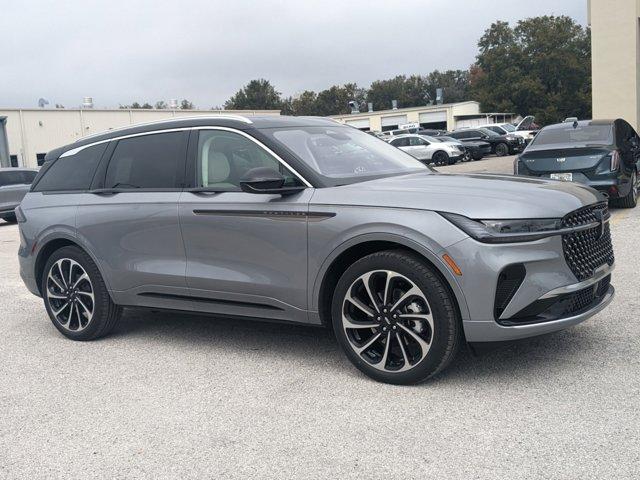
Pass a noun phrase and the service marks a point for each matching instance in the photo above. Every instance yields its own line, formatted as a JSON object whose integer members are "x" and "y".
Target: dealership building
{"x": 26, "y": 135}
{"x": 447, "y": 116}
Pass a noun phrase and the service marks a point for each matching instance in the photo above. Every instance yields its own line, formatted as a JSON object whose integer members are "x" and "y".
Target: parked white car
{"x": 429, "y": 149}
{"x": 523, "y": 129}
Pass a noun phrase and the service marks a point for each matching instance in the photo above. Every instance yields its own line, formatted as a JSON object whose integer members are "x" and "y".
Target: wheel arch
{"x": 349, "y": 252}
{"x": 50, "y": 245}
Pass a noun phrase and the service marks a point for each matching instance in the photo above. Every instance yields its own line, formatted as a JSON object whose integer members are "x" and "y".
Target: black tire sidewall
{"x": 502, "y": 149}
{"x": 445, "y": 320}
{"x": 440, "y": 158}
{"x": 101, "y": 295}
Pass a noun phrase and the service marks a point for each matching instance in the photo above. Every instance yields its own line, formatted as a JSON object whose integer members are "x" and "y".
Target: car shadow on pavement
{"x": 531, "y": 357}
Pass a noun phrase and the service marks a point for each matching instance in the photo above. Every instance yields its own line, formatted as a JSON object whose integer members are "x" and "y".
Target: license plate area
{"x": 565, "y": 177}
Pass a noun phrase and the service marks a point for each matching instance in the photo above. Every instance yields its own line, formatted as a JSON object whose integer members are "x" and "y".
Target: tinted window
{"x": 460, "y": 135}
{"x": 74, "y": 172}
{"x": 415, "y": 141}
{"x": 580, "y": 134}
{"x": 496, "y": 129}
{"x": 400, "y": 142}
{"x": 11, "y": 178}
{"x": 224, "y": 158}
{"x": 149, "y": 161}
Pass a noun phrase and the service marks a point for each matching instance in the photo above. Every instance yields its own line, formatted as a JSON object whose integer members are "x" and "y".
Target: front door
{"x": 246, "y": 253}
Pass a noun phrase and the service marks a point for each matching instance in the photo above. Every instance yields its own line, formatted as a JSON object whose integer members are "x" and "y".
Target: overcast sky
{"x": 121, "y": 51}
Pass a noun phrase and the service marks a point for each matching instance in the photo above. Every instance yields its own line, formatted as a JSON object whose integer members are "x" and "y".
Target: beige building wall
{"x": 615, "y": 59}
{"x": 375, "y": 119}
{"x": 36, "y": 131}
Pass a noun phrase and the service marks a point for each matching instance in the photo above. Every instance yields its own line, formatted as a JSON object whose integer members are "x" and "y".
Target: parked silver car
{"x": 308, "y": 221}
{"x": 429, "y": 149}
{"x": 14, "y": 185}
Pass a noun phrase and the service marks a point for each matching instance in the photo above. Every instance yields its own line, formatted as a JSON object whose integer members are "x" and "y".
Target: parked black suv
{"x": 500, "y": 144}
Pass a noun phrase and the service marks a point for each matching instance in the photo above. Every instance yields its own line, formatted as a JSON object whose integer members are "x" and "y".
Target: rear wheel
{"x": 477, "y": 155}
{"x": 76, "y": 297}
{"x": 630, "y": 200}
{"x": 395, "y": 318}
{"x": 440, "y": 158}
{"x": 502, "y": 149}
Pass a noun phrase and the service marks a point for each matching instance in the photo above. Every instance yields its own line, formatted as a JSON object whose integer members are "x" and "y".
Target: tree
{"x": 455, "y": 85}
{"x": 541, "y": 67}
{"x": 147, "y": 105}
{"x": 186, "y": 105}
{"x": 256, "y": 95}
{"x": 135, "y": 105}
{"x": 160, "y": 105}
{"x": 335, "y": 100}
{"x": 303, "y": 104}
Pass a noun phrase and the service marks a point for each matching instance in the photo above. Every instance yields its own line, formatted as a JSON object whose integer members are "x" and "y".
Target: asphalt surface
{"x": 185, "y": 396}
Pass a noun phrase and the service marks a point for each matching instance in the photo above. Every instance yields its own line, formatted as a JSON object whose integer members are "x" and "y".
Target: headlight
{"x": 505, "y": 231}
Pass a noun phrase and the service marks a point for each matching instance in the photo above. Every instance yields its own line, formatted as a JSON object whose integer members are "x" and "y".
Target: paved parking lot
{"x": 183, "y": 396}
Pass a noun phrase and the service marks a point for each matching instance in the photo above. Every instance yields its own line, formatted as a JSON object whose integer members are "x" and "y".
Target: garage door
{"x": 364, "y": 123}
{"x": 431, "y": 117}
{"x": 394, "y": 121}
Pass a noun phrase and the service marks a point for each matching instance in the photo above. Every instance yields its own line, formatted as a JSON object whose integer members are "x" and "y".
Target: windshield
{"x": 488, "y": 132}
{"x": 447, "y": 139}
{"x": 581, "y": 134}
{"x": 345, "y": 152}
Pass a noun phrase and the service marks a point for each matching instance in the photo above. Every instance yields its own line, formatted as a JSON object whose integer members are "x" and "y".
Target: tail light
{"x": 615, "y": 160}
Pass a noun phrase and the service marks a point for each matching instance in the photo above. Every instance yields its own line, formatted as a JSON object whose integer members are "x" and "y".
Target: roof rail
{"x": 240, "y": 118}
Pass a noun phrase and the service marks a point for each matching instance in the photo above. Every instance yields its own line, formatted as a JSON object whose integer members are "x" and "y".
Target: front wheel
{"x": 440, "y": 158}
{"x": 76, "y": 297}
{"x": 502, "y": 149}
{"x": 395, "y": 318}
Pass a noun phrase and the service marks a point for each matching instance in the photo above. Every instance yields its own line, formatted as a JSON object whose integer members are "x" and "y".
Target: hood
{"x": 478, "y": 196}
{"x": 568, "y": 159}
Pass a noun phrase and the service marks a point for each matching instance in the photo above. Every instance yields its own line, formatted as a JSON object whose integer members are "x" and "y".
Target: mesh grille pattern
{"x": 587, "y": 250}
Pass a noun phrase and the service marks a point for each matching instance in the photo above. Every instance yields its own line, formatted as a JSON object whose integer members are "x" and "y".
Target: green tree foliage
{"x": 256, "y": 95}
{"x": 335, "y": 100}
{"x": 540, "y": 67}
{"x": 160, "y": 105}
{"x": 186, "y": 105}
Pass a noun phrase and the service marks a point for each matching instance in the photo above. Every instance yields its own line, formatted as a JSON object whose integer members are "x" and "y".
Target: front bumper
{"x": 491, "y": 331}
{"x": 547, "y": 274}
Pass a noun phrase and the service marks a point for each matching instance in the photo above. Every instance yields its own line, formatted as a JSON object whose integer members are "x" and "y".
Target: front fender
{"x": 424, "y": 232}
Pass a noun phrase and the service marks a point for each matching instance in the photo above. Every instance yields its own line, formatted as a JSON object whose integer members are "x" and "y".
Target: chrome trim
{"x": 76, "y": 150}
{"x": 239, "y": 118}
{"x": 598, "y": 275}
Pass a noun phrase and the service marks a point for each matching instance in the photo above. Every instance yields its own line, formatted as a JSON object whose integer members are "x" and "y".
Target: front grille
{"x": 586, "y": 250}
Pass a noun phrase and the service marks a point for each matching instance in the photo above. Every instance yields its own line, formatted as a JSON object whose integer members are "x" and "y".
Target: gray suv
{"x": 308, "y": 221}
{"x": 14, "y": 185}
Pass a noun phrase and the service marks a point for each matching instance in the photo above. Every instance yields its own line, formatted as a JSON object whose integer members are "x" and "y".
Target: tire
{"x": 502, "y": 149}
{"x": 440, "y": 158}
{"x": 88, "y": 312}
{"x": 477, "y": 156}
{"x": 10, "y": 218}
{"x": 630, "y": 200}
{"x": 428, "y": 313}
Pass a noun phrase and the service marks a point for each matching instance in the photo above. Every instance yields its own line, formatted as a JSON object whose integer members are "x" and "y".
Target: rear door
{"x": 129, "y": 219}
{"x": 246, "y": 252}
{"x": 420, "y": 148}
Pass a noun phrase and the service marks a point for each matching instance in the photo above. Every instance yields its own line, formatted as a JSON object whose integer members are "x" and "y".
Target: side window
{"x": 10, "y": 177}
{"x": 401, "y": 142}
{"x": 225, "y": 157}
{"x": 462, "y": 135}
{"x": 148, "y": 161}
{"x": 417, "y": 142}
{"x": 71, "y": 173}
{"x": 497, "y": 130}
{"x": 28, "y": 176}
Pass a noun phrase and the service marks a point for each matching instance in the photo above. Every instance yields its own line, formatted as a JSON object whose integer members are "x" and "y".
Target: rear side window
{"x": 400, "y": 142}
{"x": 72, "y": 173}
{"x": 11, "y": 178}
{"x": 149, "y": 161}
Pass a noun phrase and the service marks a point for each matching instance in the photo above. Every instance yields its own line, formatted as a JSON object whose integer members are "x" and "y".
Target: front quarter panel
{"x": 423, "y": 231}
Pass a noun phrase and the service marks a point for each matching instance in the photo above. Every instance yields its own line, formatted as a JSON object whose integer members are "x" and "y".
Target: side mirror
{"x": 267, "y": 181}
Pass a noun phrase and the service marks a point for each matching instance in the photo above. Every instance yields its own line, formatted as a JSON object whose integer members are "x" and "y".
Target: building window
{"x": 14, "y": 160}
{"x": 40, "y": 158}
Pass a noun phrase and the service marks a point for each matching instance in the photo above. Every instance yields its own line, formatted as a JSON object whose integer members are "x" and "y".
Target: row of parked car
{"x": 446, "y": 148}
